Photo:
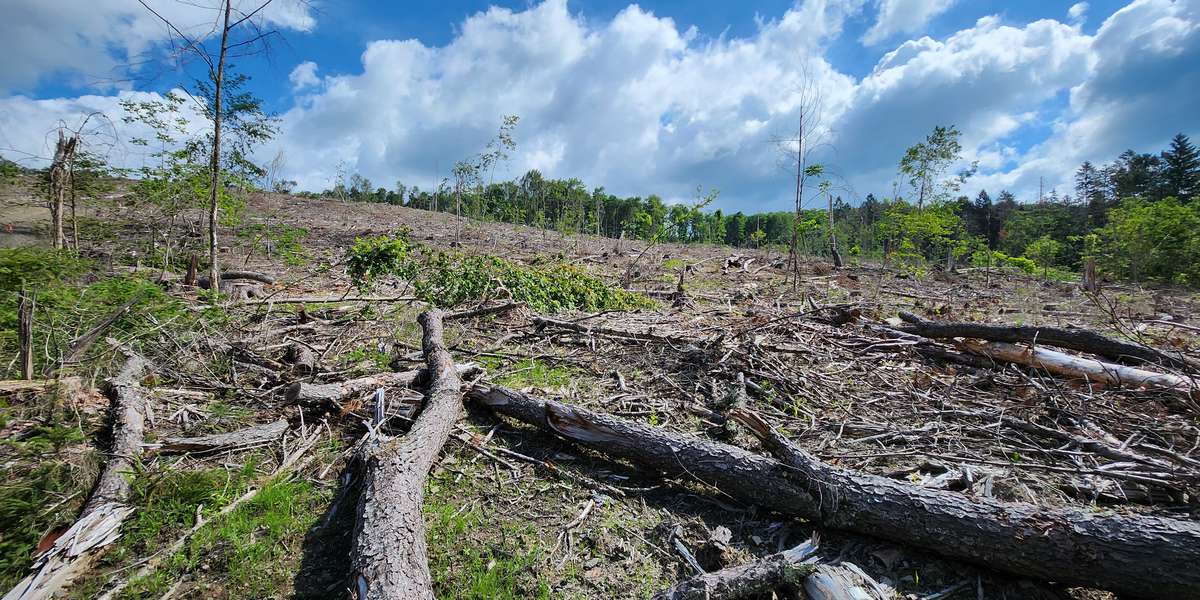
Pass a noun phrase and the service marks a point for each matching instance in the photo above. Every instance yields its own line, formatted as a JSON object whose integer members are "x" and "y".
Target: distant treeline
{"x": 1136, "y": 216}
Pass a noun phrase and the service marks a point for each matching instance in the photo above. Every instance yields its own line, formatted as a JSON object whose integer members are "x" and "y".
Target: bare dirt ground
{"x": 514, "y": 512}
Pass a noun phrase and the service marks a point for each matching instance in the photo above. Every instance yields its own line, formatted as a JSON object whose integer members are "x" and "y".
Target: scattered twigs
{"x": 388, "y": 556}
{"x": 100, "y": 521}
{"x": 332, "y": 395}
{"x": 78, "y": 346}
{"x": 1140, "y": 555}
{"x": 1071, "y": 339}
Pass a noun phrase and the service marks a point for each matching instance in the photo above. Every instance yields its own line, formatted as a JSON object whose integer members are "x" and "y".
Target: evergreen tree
{"x": 1181, "y": 169}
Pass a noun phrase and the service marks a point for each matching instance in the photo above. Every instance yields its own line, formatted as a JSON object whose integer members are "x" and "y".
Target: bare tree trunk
{"x": 60, "y": 181}
{"x": 1140, "y": 556}
{"x": 214, "y": 269}
{"x": 388, "y": 557}
{"x": 25, "y": 304}
{"x": 833, "y": 249}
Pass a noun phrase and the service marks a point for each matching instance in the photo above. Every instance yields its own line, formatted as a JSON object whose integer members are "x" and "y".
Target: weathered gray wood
{"x": 317, "y": 395}
{"x": 1078, "y": 367}
{"x": 233, "y": 440}
{"x": 100, "y": 521}
{"x": 301, "y": 357}
{"x": 1139, "y": 556}
{"x": 1071, "y": 339}
{"x": 750, "y": 579}
{"x": 388, "y": 556}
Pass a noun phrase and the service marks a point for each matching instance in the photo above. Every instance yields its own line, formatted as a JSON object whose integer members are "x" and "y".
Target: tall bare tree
{"x": 215, "y": 61}
{"x": 797, "y": 149}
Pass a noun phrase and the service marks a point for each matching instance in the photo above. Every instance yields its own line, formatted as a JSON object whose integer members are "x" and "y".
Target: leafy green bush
{"x": 449, "y": 279}
{"x": 371, "y": 258}
{"x": 999, "y": 259}
{"x": 452, "y": 278}
{"x": 1152, "y": 240}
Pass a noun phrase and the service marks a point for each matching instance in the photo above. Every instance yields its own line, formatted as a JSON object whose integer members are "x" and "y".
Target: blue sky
{"x": 654, "y": 97}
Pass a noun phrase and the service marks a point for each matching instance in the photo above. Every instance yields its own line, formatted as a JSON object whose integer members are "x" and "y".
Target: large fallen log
{"x": 1141, "y": 556}
{"x": 100, "y": 521}
{"x": 388, "y": 555}
{"x": 1066, "y": 365}
{"x": 1071, "y": 339}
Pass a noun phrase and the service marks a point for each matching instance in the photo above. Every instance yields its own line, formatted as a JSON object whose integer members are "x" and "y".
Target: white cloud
{"x": 90, "y": 41}
{"x": 1078, "y": 12}
{"x": 304, "y": 75}
{"x": 640, "y": 106}
{"x": 897, "y": 17}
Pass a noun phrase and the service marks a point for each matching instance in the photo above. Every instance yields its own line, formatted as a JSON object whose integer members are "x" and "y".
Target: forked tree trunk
{"x": 388, "y": 557}
{"x": 60, "y": 183}
{"x": 1138, "y": 556}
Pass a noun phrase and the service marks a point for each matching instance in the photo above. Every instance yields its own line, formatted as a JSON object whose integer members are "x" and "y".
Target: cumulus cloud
{"x": 639, "y": 105}
{"x": 1078, "y": 12}
{"x": 88, "y": 42}
{"x": 896, "y": 17}
{"x": 304, "y": 75}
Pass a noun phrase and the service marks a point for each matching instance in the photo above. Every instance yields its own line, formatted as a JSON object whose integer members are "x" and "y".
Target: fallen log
{"x": 1071, "y": 339}
{"x": 795, "y": 568}
{"x": 1066, "y": 365}
{"x": 318, "y": 395}
{"x": 234, "y": 440}
{"x": 301, "y": 357}
{"x": 1141, "y": 556}
{"x": 388, "y": 554}
{"x": 100, "y": 520}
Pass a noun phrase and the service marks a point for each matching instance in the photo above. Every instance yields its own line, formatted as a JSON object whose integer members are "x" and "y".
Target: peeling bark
{"x": 388, "y": 556}
{"x": 242, "y": 438}
{"x": 1071, "y": 339}
{"x": 1139, "y": 556}
{"x": 332, "y": 395}
{"x": 100, "y": 521}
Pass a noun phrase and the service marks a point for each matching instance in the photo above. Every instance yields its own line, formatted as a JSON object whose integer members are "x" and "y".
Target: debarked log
{"x": 233, "y": 440}
{"x": 1140, "y": 556}
{"x": 1060, "y": 363}
{"x": 317, "y": 395}
{"x": 1081, "y": 340}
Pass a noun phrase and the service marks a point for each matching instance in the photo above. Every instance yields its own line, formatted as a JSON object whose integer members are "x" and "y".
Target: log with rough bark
{"x": 1066, "y": 365}
{"x": 319, "y": 395}
{"x": 301, "y": 357}
{"x": 243, "y": 438}
{"x": 100, "y": 521}
{"x": 1141, "y": 556}
{"x": 388, "y": 556}
{"x": 1071, "y": 339}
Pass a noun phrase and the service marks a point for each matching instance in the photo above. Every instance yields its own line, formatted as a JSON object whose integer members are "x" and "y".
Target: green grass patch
{"x": 528, "y": 373}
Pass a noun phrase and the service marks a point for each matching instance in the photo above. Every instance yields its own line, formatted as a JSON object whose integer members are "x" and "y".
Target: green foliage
{"x": 66, "y": 305}
{"x": 374, "y": 257}
{"x": 1157, "y": 240}
{"x": 1045, "y": 252}
{"x": 529, "y": 373}
{"x": 926, "y": 162}
{"x": 999, "y": 259}
{"x": 450, "y": 279}
{"x": 42, "y": 486}
{"x": 474, "y": 572}
{"x": 285, "y": 240}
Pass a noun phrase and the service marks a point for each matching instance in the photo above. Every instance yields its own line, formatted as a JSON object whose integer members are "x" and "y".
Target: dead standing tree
{"x": 60, "y": 182}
